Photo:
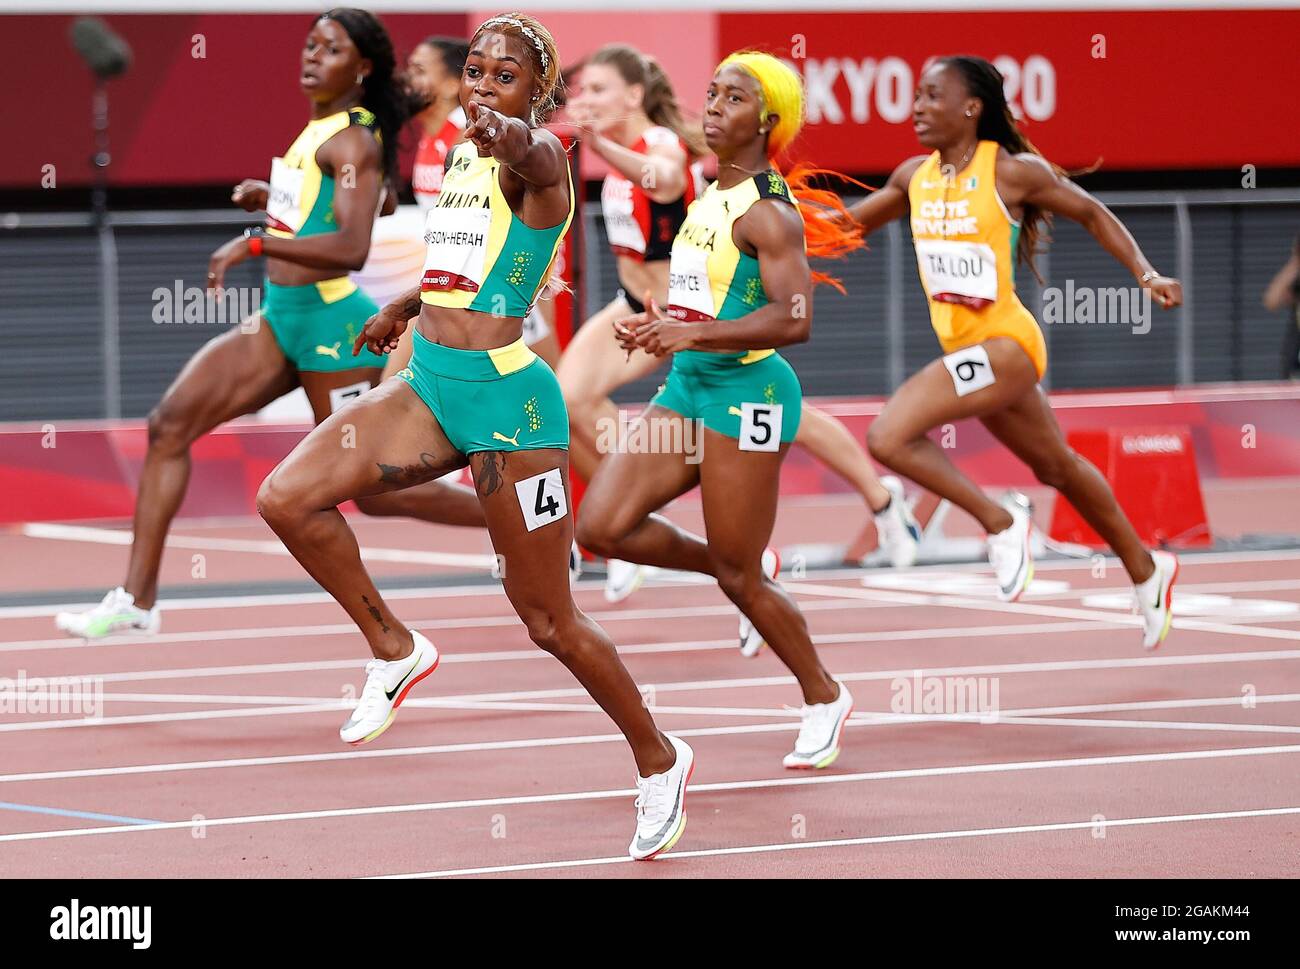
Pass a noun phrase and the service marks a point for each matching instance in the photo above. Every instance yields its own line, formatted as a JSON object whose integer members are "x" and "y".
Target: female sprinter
{"x": 629, "y": 115}
{"x": 475, "y": 393}
{"x": 740, "y": 284}
{"x": 312, "y": 312}
{"x": 978, "y": 201}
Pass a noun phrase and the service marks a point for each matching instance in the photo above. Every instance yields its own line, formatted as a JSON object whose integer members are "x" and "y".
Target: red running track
{"x": 1102, "y": 760}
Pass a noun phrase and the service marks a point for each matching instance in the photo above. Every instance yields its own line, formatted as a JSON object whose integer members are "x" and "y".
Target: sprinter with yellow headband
{"x": 977, "y": 201}
{"x": 739, "y": 286}
{"x": 474, "y": 393}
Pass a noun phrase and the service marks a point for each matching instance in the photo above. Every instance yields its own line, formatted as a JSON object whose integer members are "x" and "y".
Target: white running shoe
{"x": 751, "y": 640}
{"x": 387, "y": 684}
{"x": 575, "y": 564}
{"x": 116, "y": 613}
{"x": 1009, "y": 551}
{"x": 900, "y": 535}
{"x": 622, "y": 579}
{"x": 1155, "y": 599}
{"x": 661, "y": 805}
{"x": 821, "y": 725}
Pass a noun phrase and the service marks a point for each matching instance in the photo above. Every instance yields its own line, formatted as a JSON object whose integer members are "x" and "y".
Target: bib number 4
{"x": 541, "y": 498}
{"x": 760, "y": 427}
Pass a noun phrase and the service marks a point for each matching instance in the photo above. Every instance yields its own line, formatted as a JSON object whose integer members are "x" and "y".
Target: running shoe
{"x": 751, "y": 640}
{"x": 622, "y": 579}
{"x": 1155, "y": 599}
{"x": 820, "y": 727}
{"x": 116, "y": 613}
{"x": 387, "y": 684}
{"x": 661, "y": 805}
{"x": 900, "y": 535}
{"x": 1009, "y": 551}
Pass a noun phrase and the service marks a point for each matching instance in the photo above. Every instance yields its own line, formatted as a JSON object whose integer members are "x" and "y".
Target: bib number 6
{"x": 970, "y": 370}
{"x": 541, "y": 498}
{"x": 760, "y": 427}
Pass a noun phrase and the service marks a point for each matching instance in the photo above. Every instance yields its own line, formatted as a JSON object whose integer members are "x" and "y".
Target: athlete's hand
{"x": 1166, "y": 291}
{"x": 625, "y": 330}
{"x": 661, "y": 334}
{"x": 381, "y": 333}
{"x": 486, "y": 127}
{"x": 251, "y": 195}
{"x": 232, "y": 253}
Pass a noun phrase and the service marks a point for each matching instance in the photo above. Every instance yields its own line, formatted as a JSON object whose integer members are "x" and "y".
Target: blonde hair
{"x": 781, "y": 91}
{"x": 541, "y": 45}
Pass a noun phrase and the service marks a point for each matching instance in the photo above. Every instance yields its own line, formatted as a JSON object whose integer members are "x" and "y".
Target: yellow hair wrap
{"x": 782, "y": 94}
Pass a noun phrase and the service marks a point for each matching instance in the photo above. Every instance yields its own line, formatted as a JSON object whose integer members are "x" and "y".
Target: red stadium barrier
{"x": 1153, "y": 473}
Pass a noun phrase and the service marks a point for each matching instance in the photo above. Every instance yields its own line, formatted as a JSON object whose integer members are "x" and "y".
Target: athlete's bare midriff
{"x": 467, "y": 329}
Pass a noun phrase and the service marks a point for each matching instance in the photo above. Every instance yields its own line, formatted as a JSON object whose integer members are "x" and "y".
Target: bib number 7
{"x": 760, "y": 427}
{"x": 541, "y": 498}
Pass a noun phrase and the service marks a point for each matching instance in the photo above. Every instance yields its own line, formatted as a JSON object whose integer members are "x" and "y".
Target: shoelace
{"x": 652, "y": 794}
{"x": 374, "y": 692}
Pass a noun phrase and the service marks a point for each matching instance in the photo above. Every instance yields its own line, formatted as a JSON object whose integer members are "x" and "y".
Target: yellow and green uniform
{"x": 965, "y": 252}
{"x": 482, "y": 257}
{"x": 751, "y": 395}
{"x": 316, "y": 324}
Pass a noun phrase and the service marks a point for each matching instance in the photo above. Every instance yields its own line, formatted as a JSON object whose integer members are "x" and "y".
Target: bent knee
{"x": 739, "y": 583}
{"x": 884, "y": 443}
{"x": 277, "y": 502}
{"x": 1057, "y": 471}
{"x": 546, "y": 627}
{"x": 170, "y": 427}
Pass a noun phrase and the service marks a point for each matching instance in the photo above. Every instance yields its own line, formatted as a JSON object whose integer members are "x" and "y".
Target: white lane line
{"x": 659, "y": 583}
{"x": 857, "y": 842}
{"x": 574, "y": 796}
{"x": 1195, "y": 659}
{"x": 501, "y": 621}
{"x": 583, "y": 739}
{"x": 1033, "y": 609}
{"x": 112, "y": 536}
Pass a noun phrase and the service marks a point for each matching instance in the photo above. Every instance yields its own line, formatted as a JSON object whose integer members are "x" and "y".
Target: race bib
{"x": 690, "y": 298}
{"x": 541, "y": 498}
{"x": 284, "y": 200}
{"x": 621, "y": 227}
{"x": 760, "y": 427}
{"x": 958, "y": 272}
{"x": 970, "y": 370}
{"x": 457, "y": 248}
{"x": 342, "y": 396}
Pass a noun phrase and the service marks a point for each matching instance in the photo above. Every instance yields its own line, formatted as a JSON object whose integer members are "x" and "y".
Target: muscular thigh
{"x": 1029, "y": 430}
{"x": 383, "y": 441}
{"x": 960, "y": 385}
{"x": 633, "y": 481}
{"x": 233, "y": 374}
{"x": 740, "y": 491}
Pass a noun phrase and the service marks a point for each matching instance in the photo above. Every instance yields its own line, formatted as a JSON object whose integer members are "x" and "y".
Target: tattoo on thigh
{"x": 489, "y": 478}
{"x": 375, "y": 613}
{"x": 411, "y": 474}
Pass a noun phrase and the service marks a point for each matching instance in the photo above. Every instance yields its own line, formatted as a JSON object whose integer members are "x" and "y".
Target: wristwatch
{"x": 255, "y": 235}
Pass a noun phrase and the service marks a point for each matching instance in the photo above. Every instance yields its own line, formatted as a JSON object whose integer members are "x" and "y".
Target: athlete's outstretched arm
{"x": 353, "y": 158}
{"x": 534, "y": 154}
{"x": 661, "y": 171}
{"x": 775, "y": 232}
{"x": 1028, "y": 179}
{"x": 886, "y": 204}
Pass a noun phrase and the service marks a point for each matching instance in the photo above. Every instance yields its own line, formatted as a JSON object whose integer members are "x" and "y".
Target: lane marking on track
{"x": 584, "y": 739}
{"x": 855, "y": 842}
{"x": 67, "y": 813}
{"x": 499, "y": 621}
{"x": 569, "y": 797}
{"x": 113, "y": 536}
{"x": 1195, "y": 659}
{"x": 661, "y": 582}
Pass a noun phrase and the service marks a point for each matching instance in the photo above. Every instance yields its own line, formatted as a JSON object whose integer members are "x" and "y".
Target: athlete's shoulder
{"x": 905, "y": 172}
{"x": 364, "y": 118}
{"x": 771, "y": 185}
{"x": 1025, "y": 167}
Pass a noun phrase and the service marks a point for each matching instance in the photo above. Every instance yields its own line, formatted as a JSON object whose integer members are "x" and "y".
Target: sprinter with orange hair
{"x": 739, "y": 286}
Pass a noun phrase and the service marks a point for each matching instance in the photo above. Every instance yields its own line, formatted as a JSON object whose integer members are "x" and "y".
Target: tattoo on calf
{"x": 375, "y": 613}
{"x": 489, "y": 476}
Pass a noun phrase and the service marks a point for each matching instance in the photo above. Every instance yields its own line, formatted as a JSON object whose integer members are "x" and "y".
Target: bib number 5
{"x": 970, "y": 370}
{"x": 760, "y": 427}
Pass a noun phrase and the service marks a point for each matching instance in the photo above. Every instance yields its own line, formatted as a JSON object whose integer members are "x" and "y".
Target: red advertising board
{"x": 1151, "y": 89}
